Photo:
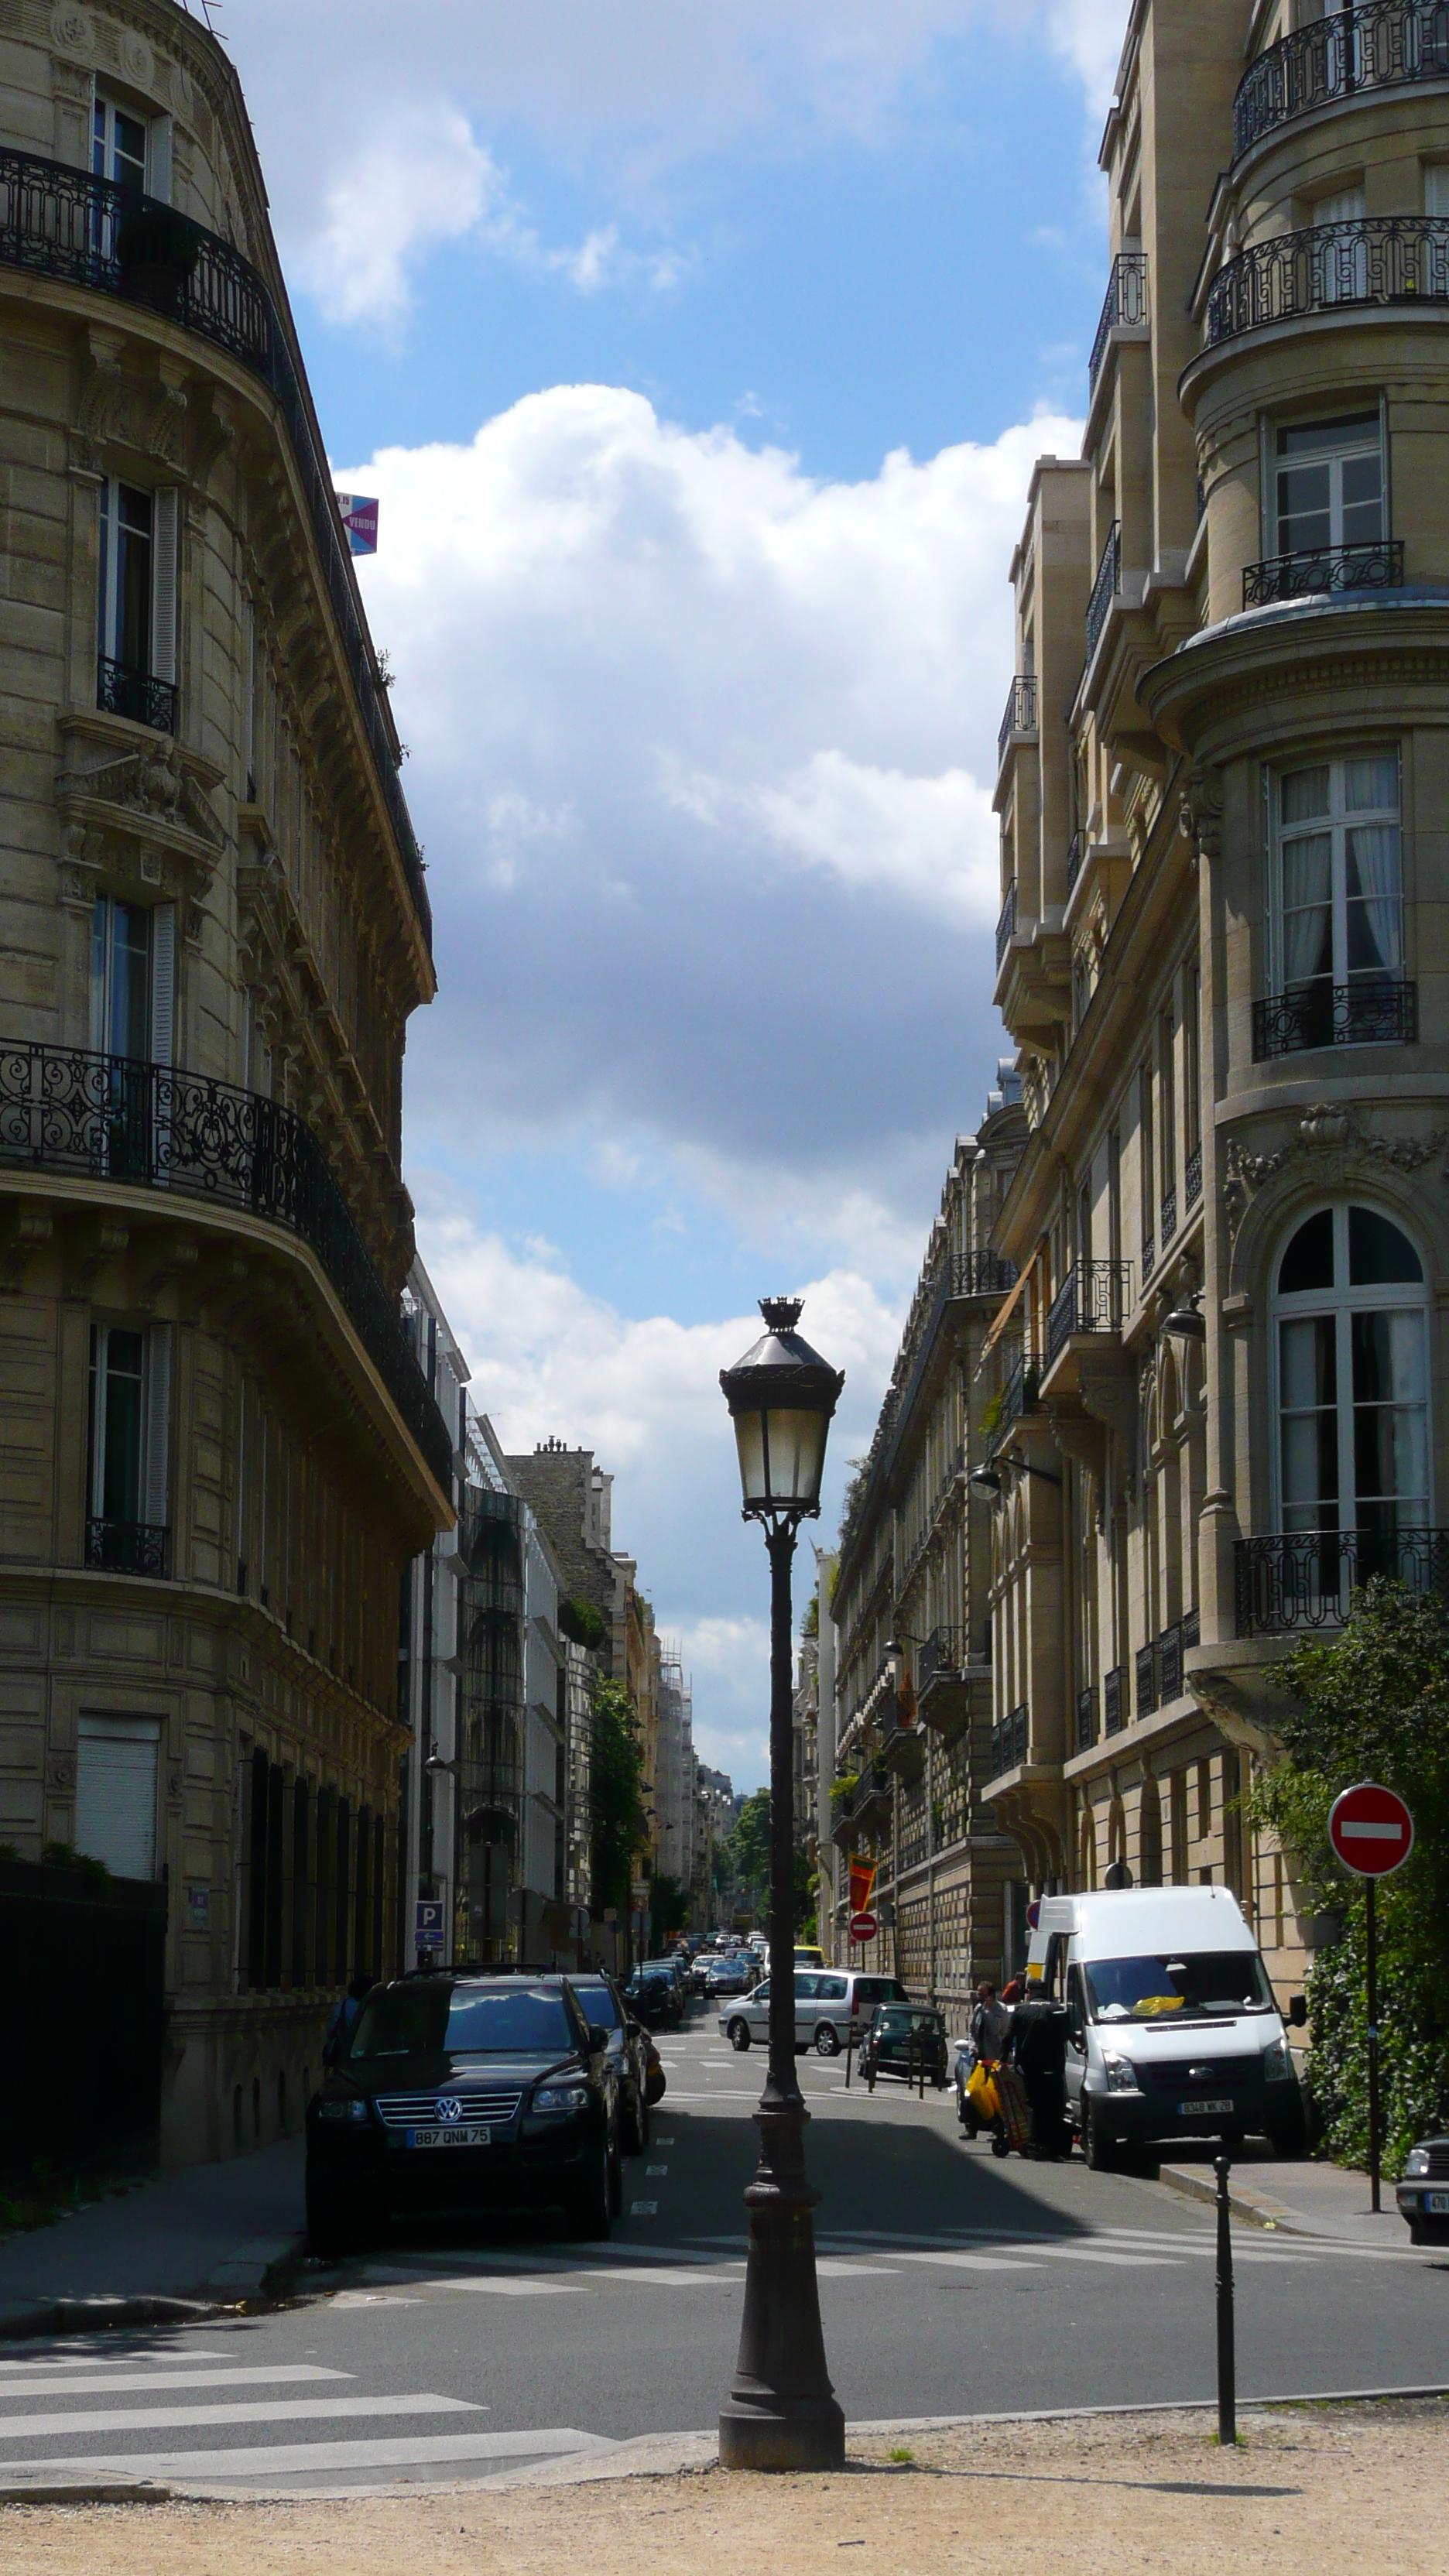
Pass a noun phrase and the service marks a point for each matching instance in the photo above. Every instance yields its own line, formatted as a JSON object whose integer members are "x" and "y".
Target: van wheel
{"x": 1099, "y": 2150}
{"x": 739, "y": 2035}
{"x": 827, "y": 2040}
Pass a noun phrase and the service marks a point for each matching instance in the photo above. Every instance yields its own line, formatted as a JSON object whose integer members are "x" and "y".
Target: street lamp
{"x": 781, "y": 2412}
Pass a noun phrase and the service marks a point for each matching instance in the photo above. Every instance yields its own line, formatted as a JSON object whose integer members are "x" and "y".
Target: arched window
{"x": 1351, "y": 1330}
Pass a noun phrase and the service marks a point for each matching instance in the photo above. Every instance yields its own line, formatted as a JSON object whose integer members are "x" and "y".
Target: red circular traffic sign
{"x": 863, "y": 1927}
{"x": 1371, "y": 1830}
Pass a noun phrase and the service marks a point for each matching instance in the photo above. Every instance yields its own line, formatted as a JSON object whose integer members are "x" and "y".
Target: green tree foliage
{"x": 1373, "y": 1704}
{"x": 749, "y": 1846}
{"x": 618, "y": 1802}
{"x": 583, "y": 1625}
{"x": 810, "y": 1624}
{"x": 669, "y": 1911}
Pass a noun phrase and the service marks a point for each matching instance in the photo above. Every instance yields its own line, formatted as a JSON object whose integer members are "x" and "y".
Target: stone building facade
{"x": 217, "y": 1448}
{"x": 907, "y": 1626}
{"x": 1222, "y": 790}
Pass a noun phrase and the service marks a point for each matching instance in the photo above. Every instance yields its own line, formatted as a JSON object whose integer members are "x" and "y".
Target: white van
{"x": 1172, "y": 2027}
{"x": 832, "y": 2006}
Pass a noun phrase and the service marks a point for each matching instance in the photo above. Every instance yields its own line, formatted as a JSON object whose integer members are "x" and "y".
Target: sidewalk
{"x": 1326, "y": 2489}
{"x": 1301, "y": 2198}
{"x": 208, "y": 2233}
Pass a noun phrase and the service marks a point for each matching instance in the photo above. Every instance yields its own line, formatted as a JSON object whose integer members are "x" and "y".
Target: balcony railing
{"x": 1395, "y": 260}
{"x": 1318, "y": 570}
{"x": 1087, "y": 1718}
{"x": 89, "y": 232}
{"x": 1009, "y": 1741}
{"x": 1169, "y": 1213}
{"x": 1114, "y": 1699}
{"x": 982, "y": 1274}
{"x": 121, "y": 691}
{"x": 127, "y": 1547}
{"x": 1123, "y": 307}
{"x": 1383, "y": 44}
{"x": 1149, "y": 1257}
{"x": 1307, "y": 1578}
{"x": 1020, "y": 716}
{"x": 1019, "y": 1390}
{"x": 939, "y": 1657}
{"x": 1093, "y": 1298}
{"x": 1075, "y": 847}
{"x": 1375, "y": 1010}
{"x": 1106, "y": 587}
{"x": 114, "y": 1118}
{"x": 1006, "y": 923}
{"x": 1146, "y": 1679}
{"x": 1192, "y": 1176}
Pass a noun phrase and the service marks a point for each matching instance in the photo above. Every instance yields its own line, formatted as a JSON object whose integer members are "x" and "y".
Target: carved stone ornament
{"x": 121, "y": 410}
{"x": 1329, "y": 1133}
{"x": 137, "y": 60}
{"x": 72, "y": 30}
{"x": 1200, "y": 817}
{"x": 151, "y": 788}
{"x": 60, "y": 1775}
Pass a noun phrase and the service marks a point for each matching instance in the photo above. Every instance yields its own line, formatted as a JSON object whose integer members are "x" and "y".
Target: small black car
{"x": 463, "y": 2096}
{"x": 652, "y": 1994}
{"x": 906, "y": 2040}
{"x": 629, "y": 2052}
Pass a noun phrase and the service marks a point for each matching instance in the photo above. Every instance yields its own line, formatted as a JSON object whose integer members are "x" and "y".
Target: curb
{"x": 270, "y": 2274}
{"x": 1257, "y": 2213}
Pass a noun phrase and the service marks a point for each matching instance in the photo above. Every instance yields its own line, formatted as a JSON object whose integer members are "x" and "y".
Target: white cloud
{"x": 1090, "y": 34}
{"x": 417, "y": 180}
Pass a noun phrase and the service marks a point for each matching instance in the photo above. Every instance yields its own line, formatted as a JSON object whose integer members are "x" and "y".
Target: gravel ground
{"x": 1311, "y": 2491}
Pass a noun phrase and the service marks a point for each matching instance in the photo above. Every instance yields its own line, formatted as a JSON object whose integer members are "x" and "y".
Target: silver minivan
{"x": 832, "y": 2005}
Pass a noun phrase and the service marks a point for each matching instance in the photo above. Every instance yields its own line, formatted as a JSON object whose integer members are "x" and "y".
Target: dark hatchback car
{"x": 629, "y": 2052}
{"x": 908, "y": 2040}
{"x": 464, "y": 2097}
{"x": 653, "y": 1994}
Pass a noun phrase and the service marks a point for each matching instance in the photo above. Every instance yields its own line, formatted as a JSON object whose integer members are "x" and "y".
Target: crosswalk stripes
{"x": 197, "y": 2386}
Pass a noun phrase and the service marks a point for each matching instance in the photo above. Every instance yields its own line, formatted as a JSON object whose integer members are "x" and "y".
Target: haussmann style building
{"x": 218, "y": 1450}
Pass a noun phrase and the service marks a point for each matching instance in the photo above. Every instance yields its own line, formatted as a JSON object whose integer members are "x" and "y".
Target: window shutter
{"x": 115, "y": 1793}
{"x": 163, "y": 578}
{"x": 163, "y": 984}
{"x": 158, "y": 159}
{"x": 158, "y": 1425}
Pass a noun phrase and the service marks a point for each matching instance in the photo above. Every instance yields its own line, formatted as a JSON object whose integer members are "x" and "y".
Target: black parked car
{"x": 629, "y": 2053}
{"x": 905, "y": 2040}
{"x": 463, "y": 2096}
{"x": 653, "y": 1994}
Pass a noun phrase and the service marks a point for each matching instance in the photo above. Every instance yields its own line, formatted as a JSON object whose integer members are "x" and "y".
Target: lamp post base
{"x": 782, "y": 2412}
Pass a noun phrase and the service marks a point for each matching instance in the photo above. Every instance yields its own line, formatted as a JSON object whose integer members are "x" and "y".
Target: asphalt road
{"x": 950, "y": 2284}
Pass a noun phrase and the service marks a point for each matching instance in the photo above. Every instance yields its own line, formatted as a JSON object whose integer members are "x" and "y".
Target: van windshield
{"x": 1168, "y": 1988}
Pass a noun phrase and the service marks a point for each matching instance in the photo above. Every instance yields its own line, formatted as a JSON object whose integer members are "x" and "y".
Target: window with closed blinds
{"x": 115, "y": 1797}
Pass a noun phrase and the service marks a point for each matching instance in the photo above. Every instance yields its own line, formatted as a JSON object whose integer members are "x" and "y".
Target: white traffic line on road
{"x": 976, "y": 2262}
{"x": 170, "y": 2419}
{"x": 98, "y": 2385}
{"x": 509, "y": 2287}
{"x": 89, "y": 2359}
{"x": 315, "y": 2459}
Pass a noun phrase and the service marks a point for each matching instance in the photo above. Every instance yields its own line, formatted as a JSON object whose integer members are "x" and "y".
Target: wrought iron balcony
{"x": 1319, "y": 570}
{"x": 1020, "y": 716}
{"x": 1381, "y": 44}
{"x": 1149, "y": 1257}
{"x": 1106, "y": 587}
{"x": 127, "y": 1547}
{"x": 1192, "y": 1176}
{"x": 1145, "y": 1694}
{"x": 114, "y": 1118}
{"x": 1398, "y": 260}
{"x": 1374, "y": 1010}
{"x": 1307, "y": 1578}
{"x": 1093, "y": 1298}
{"x": 1075, "y": 848}
{"x": 1124, "y": 307}
{"x": 1169, "y": 1214}
{"x": 1086, "y": 1718}
{"x": 1019, "y": 1391}
{"x": 122, "y": 691}
{"x": 1006, "y": 923}
{"x": 982, "y": 1274}
{"x": 1114, "y": 1699}
{"x": 1009, "y": 1742}
{"x": 1169, "y": 1665}
{"x": 92, "y": 233}
{"x": 938, "y": 1659}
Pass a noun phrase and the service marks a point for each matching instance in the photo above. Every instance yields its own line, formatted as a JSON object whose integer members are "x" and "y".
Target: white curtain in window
{"x": 1307, "y": 907}
{"x": 1373, "y": 888}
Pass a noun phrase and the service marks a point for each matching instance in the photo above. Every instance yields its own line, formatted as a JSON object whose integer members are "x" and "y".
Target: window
{"x": 129, "y": 1441}
{"x": 136, "y": 604}
{"x": 1328, "y": 487}
{"x": 1147, "y": 1171}
{"x": 1167, "y": 1078}
{"x": 120, "y": 979}
{"x": 1351, "y": 1347}
{"x": 1192, "y": 1065}
{"x": 115, "y": 1793}
{"x": 1336, "y": 932}
{"x": 118, "y": 144}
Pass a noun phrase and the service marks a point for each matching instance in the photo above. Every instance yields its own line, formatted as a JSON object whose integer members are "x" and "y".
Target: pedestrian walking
{"x": 344, "y": 2020}
{"x": 1038, "y": 2050}
{"x": 990, "y": 2023}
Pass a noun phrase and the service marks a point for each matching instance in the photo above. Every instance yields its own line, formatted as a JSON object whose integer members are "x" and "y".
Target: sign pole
{"x": 1371, "y": 1946}
{"x": 1227, "y": 2372}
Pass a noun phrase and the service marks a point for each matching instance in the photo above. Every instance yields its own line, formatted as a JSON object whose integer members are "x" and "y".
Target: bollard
{"x": 1227, "y": 2391}
{"x": 849, "y": 2048}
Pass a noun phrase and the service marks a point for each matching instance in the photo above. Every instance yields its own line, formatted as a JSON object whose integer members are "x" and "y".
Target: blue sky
{"x": 698, "y": 357}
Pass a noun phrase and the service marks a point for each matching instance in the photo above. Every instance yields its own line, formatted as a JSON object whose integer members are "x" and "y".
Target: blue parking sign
{"x": 429, "y": 1923}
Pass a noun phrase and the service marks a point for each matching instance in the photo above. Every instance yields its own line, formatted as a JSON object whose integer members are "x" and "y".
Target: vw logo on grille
{"x": 449, "y": 2107}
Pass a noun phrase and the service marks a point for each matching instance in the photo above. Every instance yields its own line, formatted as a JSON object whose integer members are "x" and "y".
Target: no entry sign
{"x": 1371, "y": 1830}
{"x": 863, "y": 1927}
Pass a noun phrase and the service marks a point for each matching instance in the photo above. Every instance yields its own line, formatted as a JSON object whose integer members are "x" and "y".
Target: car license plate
{"x": 1191, "y": 2110}
{"x": 1437, "y": 2203}
{"x": 469, "y": 2134}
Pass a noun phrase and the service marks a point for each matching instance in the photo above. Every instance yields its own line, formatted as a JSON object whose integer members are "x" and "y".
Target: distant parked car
{"x": 653, "y": 1996}
{"x": 604, "y": 2006}
{"x": 905, "y": 2040}
{"x": 832, "y": 2007}
{"x": 1423, "y": 2195}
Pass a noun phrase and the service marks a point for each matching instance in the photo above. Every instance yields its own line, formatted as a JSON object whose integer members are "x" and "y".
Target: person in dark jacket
{"x": 344, "y": 2020}
{"x": 1038, "y": 2050}
{"x": 990, "y": 2023}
